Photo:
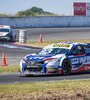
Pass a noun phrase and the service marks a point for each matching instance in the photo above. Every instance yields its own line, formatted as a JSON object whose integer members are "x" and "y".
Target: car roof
{"x": 5, "y": 26}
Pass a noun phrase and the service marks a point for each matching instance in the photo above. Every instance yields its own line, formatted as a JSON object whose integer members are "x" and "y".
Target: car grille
{"x": 34, "y": 69}
{"x": 34, "y": 65}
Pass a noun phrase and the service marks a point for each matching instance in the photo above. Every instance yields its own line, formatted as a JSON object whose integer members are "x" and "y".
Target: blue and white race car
{"x": 59, "y": 58}
{"x": 7, "y": 33}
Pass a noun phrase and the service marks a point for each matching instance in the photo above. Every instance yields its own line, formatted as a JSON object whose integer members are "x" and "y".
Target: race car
{"x": 58, "y": 58}
{"x": 7, "y": 33}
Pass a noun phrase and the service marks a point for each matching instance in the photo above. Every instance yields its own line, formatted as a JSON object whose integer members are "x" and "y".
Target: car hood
{"x": 3, "y": 33}
{"x": 37, "y": 57}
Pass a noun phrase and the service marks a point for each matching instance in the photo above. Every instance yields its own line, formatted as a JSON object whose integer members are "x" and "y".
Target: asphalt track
{"x": 14, "y": 53}
{"x": 17, "y": 78}
{"x": 57, "y": 33}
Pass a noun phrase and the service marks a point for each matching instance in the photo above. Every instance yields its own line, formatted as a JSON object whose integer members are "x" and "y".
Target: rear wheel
{"x": 66, "y": 67}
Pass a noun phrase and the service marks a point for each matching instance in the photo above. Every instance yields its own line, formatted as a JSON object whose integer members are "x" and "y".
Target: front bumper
{"x": 38, "y": 73}
{"x": 4, "y": 38}
{"x": 27, "y": 72}
{"x": 37, "y": 68}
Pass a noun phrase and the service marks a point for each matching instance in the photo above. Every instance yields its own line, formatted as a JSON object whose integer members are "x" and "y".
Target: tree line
{"x": 34, "y": 11}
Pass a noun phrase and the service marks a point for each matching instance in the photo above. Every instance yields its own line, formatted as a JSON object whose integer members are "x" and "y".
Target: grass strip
{"x": 45, "y": 43}
{"x": 47, "y": 90}
{"x": 9, "y": 69}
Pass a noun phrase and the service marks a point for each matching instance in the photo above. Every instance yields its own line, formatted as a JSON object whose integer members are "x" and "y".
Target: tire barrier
{"x": 22, "y": 36}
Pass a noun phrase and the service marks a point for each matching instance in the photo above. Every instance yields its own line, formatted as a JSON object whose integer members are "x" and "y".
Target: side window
{"x": 78, "y": 50}
{"x": 87, "y": 49}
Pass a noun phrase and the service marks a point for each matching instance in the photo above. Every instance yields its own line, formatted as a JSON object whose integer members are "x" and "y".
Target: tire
{"x": 66, "y": 67}
{"x": 13, "y": 39}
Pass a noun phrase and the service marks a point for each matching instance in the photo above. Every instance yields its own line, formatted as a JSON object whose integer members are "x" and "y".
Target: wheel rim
{"x": 66, "y": 68}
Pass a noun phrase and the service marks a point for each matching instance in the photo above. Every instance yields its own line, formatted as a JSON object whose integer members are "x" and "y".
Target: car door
{"x": 77, "y": 58}
{"x": 87, "y": 51}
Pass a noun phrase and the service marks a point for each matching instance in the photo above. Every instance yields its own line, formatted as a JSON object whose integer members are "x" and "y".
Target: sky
{"x": 61, "y": 7}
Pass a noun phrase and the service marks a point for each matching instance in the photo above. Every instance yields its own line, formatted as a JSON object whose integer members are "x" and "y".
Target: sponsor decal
{"x": 87, "y": 66}
{"x": 79, "y": 8}
{"x": 84, "y": 59}
{"x": 87, "y": 9}
{"x": 80, "y": 60}
{"x": 36, "y": 58}
{"x": 84, "y": 67}
{"x": 61, "y": 45}
{"x": 75, "y": 60}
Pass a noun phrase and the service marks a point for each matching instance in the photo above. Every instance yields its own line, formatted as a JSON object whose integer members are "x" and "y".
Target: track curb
{"x": 26, "y": 45}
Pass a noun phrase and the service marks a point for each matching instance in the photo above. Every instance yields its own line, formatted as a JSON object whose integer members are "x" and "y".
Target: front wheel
{"x": 66, "y": 67}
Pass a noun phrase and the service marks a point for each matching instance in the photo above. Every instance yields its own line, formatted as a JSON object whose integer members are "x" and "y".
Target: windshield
{"x": 4, "y": 30}
{"x": 46, "y": 51}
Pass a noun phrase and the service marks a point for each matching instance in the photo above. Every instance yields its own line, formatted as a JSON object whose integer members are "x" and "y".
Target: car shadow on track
{"x": 6, "y": 42}
{"x": 55, "y": 75}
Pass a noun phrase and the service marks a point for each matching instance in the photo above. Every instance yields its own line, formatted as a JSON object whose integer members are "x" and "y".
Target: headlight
{"x": 28, "y": 62}
{"x": 50, "y": 69}
{"x": 22, "y": 61}
{"x": 50, "y": 60}
{"x": 5, "y": 34}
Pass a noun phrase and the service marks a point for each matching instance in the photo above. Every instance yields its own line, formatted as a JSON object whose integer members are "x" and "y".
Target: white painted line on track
{"x": 15, "y": 47}
{"x": 8, "y": 46}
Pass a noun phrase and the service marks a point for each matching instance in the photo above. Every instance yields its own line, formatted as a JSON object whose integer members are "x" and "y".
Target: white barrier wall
{"x": 48, "y": 21}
